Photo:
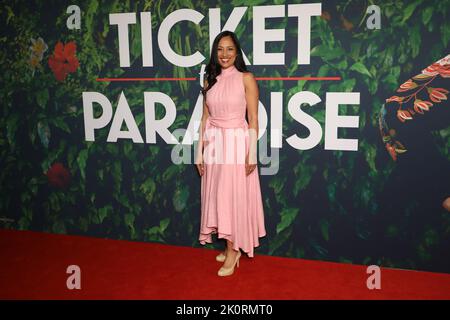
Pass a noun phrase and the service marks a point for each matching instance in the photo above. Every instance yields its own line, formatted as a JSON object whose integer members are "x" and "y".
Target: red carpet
{"x": 33, "y": 266}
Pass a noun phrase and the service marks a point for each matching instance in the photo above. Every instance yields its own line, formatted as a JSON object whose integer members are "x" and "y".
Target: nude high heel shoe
{"x": 223, "y": 272}
{"x": 221, "y": 257}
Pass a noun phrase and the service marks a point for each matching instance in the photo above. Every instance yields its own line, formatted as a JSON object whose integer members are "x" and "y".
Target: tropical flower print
{"x": 441, "y": 67}
{"x": 63, "y": 61}
{"x": 416, "y": 97}
{"x": 58, "y": 176}
{"x": 37, "y": 49}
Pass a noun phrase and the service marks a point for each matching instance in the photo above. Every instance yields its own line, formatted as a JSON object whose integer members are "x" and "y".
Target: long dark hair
{"x": 213, "y": 69}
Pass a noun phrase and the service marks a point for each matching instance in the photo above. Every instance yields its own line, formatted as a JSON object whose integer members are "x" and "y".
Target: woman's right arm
{"x": 205, "y": 115}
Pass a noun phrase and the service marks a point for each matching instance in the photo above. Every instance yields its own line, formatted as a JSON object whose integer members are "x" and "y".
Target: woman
{"x": 231, "y": 202}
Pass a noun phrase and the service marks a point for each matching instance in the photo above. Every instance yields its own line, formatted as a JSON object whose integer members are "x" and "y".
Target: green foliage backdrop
{"x": 321, "y": 205}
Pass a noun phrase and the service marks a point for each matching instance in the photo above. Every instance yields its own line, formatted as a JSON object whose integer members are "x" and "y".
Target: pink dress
{"x": 231, "y": 202}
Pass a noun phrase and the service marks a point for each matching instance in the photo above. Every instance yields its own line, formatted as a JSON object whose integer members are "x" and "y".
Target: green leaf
{"x": 427, "y": 14}
{"x": 102, "y": 213}
{"x": 299, "y": 87}
{"x": 180, "y": 198}
{"x": 342, "y": 65}
{"x": 123, "y": 200}
{"x": 152, "y": 231}
{"x": 319, "y": 249}
{"x": 304, "y": 174}
{"x": 11, "y": 128}
{"x": 361, "y": 68}
{"x": 129, "y": 222}
{"x": 81, "y": 160}
{"x": 279, "y": 240}
{"x": 42, "y": 97}
{"x": 409, "y": 10}
{"x": 370, "y": 153}
{"x": 44, "y": 133}
{"x": 169, "y": 173}
{"x": 327, "y": 53}
{"x": 415, "y": 40}
{"x": 323, "y": 71}
{"x": 163, "y": 225}
{"x": 148, "y": 188}
{"x": 445, "y": 33}
{"x": 314, "y": 86}
{"x": 139, "y": 118}
{"x": 324, "y": 228}
{"x": 59, "y": 123}
{"x": 117, "y": 175}
{"x": 288, "y": 216}
{"x": 373, "y": 86}
{"x": 355, "y": 50}
{"x": 349, "y": 84}
{"x": 83, "y": 224}
{"x": 277, "y": 184}
{"x": 331, "y": 191}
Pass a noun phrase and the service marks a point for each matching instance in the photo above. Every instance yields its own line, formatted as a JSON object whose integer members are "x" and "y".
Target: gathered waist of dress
{"x": 232, "y": 120}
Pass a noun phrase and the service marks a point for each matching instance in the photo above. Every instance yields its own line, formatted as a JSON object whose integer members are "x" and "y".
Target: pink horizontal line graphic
{"x": 195, "y": 79}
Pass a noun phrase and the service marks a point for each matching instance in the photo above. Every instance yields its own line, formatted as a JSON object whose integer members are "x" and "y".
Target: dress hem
{"x": 207, "y": 238}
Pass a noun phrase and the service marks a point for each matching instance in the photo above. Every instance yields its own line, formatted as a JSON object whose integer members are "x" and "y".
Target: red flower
{"x": 58, "y": 176}
{"x": 437, "y": 94}
{"x": 395, "y": 98}
{"x": 420, "y": 105}
{"x": 436, "y": 68}
{"x": 408, "y": 85}
{"x": 403, "y": 115}
{"x": 441, "y": 67}
{"x": 444, "y": 71}
{"x": 391, "y": 151}
{"x": 63, "y": 61}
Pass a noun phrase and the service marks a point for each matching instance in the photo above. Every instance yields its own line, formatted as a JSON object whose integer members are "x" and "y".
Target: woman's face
{"x": 226, "y": 52}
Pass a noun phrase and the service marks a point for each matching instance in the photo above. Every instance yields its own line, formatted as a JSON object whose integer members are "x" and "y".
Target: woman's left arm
{"x": 252, "y": 99}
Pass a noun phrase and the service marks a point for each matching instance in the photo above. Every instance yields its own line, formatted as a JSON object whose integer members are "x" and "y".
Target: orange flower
{"x": 63, "y": 61}
{"x": 437, "y": 94}
{"x": 420, "y": 105}
{"x": 441, "y": 67}
{"x": 408, "y": 85}
{"x": 403, "y": 115}
{"x": 395, "y": 98}
{"x": 391, "y": 151}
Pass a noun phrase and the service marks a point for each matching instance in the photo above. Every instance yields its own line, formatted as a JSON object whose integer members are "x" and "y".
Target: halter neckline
{"x": 228, "y": 71}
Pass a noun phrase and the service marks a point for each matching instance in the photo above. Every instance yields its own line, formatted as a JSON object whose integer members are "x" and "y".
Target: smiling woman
{"x": 231, "y": 201}
{"x": 226, "y": 52}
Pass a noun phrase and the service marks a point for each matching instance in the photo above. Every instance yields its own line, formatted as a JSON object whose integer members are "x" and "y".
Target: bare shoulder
{"x": 248, "y": 77}
{"x": 249, "y": 80}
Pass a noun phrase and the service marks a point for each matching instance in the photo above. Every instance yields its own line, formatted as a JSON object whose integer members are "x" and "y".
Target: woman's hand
{"x": 200, "y": 167}
{"x": 249, "y": 167}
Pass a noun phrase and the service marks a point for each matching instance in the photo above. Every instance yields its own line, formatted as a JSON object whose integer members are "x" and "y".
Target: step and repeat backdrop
{"x": 101, "y": 106}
